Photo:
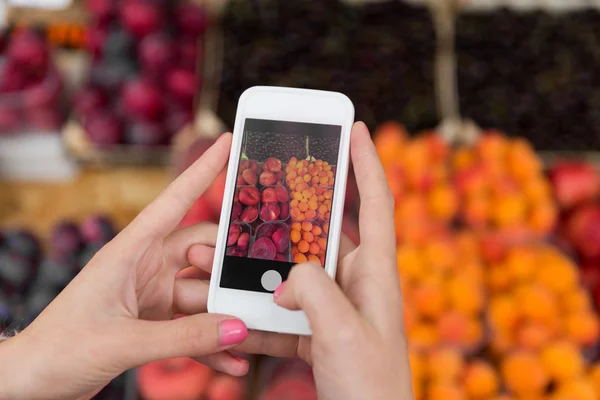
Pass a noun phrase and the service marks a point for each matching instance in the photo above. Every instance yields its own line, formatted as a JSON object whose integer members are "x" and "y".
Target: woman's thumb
{"x": 190, "y": 336}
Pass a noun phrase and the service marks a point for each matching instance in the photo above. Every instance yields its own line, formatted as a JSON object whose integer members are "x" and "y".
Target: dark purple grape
{"x": 97, "y": 229}
{"x": 65, "y": 241}
{"x": 23, "y": 243}
{"x": 16, "y": 271}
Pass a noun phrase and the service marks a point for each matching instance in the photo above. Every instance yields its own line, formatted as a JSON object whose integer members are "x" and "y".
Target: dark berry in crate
{"x": 88, "y": 99}
{"x": 101, "y": 10}
{"x": 244, "y": 241}
{"x": 143, "y": 99}
{"x": 281, "y": 239}
{"x": 190, "y": 19}
{"x": 23, "y": 243}
{"x": 236, "y": 251}
{"x": 104, "y": 129}
{"x": 119, "y": 45}
{"x": 284, "y": 211}
{"x": 249, "y": 214}
{"x": 65, "y": 241}
{"x": 236, "y": 211}
{"x": 266, "y": 230}
{"x": 141, "y": 18}
{"x": 156, "y": 53}
{"x": 29, "y": 51}
{"x": 263, "y": 249}
{"x": 249, "y": 196}
{"x": 147, "y": 133}
{"x": 188, "y": 53}
{"x": 111, "y": 76}
{"x": 95, "y": 38}
{"x": 97, "y": 229}
{"x": 16, "y": 271}
{"x": 249, "y": 177}
{"x": 87, "y": 254}
{"x": 234, "y": 234}
{"x": 182, "y": 85}
{"x": 45, "y": 118}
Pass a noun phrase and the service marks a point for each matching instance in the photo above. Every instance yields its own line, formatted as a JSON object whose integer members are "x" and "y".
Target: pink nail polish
{"x": 233, "y": 331}
{"x": 279, "y": 290}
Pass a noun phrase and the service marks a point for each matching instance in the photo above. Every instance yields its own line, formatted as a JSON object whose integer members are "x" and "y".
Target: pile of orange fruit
{"x": 443, "y": 286}
{"x": 308, "y": 242}
{"x": 492, "y": 310}
{"x": 311, "y": 184}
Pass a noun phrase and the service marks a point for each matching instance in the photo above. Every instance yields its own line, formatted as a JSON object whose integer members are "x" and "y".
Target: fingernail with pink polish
{"x": 233, "y": 331}
{"x": 279, "y": 290}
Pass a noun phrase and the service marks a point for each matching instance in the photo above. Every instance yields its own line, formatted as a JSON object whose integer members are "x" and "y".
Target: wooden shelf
{"x": 121, "y": 193}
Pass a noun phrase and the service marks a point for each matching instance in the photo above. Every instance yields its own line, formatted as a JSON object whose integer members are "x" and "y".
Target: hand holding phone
{"x": 358, "y": 349}
{"x": 283, "y": 202}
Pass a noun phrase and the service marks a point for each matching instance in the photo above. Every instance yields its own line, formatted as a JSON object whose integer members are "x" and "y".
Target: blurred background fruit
{"x": 145, "y": 71}
{"x": 31, "y": 88}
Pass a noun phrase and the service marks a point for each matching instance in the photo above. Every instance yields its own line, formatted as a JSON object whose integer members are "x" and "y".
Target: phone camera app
{"x": 282, "y": 202}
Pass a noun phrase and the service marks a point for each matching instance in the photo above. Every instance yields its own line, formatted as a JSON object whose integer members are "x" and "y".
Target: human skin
{"x": 118, "y": 312}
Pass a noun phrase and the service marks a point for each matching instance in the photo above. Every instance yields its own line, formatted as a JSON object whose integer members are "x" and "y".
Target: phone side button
{"x": 270, "y": 280}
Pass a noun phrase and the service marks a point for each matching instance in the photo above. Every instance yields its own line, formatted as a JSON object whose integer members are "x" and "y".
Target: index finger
{"x": 376, "y": 219}
{"x": 166, "y": 211}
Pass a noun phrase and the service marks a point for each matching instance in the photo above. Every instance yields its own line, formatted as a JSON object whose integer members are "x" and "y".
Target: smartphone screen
{"x": 282, "y": 202}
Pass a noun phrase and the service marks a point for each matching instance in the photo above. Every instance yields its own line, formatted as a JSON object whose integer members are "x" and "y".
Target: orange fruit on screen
{"x": 295, "y": 236}
{"x": 303, "y": 246}
{"x": 317, "y": 231}
{"x": 326, "y": 227}
{"x": 308, "y": 236}
{"x": 306, "y": 226}
{"x": 300, "y": 258}
{"x": 310, "y": 214}
{"x": 314, "y": 248}
{"x": 297, "y": 226}
{"x": 322, "y": 242}
{"x": 303, "y": 207}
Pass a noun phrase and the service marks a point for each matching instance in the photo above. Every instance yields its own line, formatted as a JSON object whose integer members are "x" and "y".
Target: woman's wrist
{"x": 14, "y": 373}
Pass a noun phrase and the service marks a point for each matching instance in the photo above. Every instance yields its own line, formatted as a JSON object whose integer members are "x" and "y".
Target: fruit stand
{"x": 484, "y": 114}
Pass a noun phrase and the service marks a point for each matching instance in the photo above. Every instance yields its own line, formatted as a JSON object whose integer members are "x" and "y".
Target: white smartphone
{"x": 283, "y": 202}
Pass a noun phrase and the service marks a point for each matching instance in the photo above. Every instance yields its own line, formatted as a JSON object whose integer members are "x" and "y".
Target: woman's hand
{"x": 117, "y": 313}
{"x": 358, "y": 349}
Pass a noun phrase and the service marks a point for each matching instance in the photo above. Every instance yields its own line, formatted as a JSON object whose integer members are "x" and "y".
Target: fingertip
{"x": 361, "y": 126}
{"x": 225, "y": 137}
{"x": 239, "y": 366}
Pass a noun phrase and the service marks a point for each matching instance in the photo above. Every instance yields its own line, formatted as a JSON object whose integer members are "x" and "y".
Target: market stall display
{"x": 145, "y": 75}
{"x": 491, "y": 305}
